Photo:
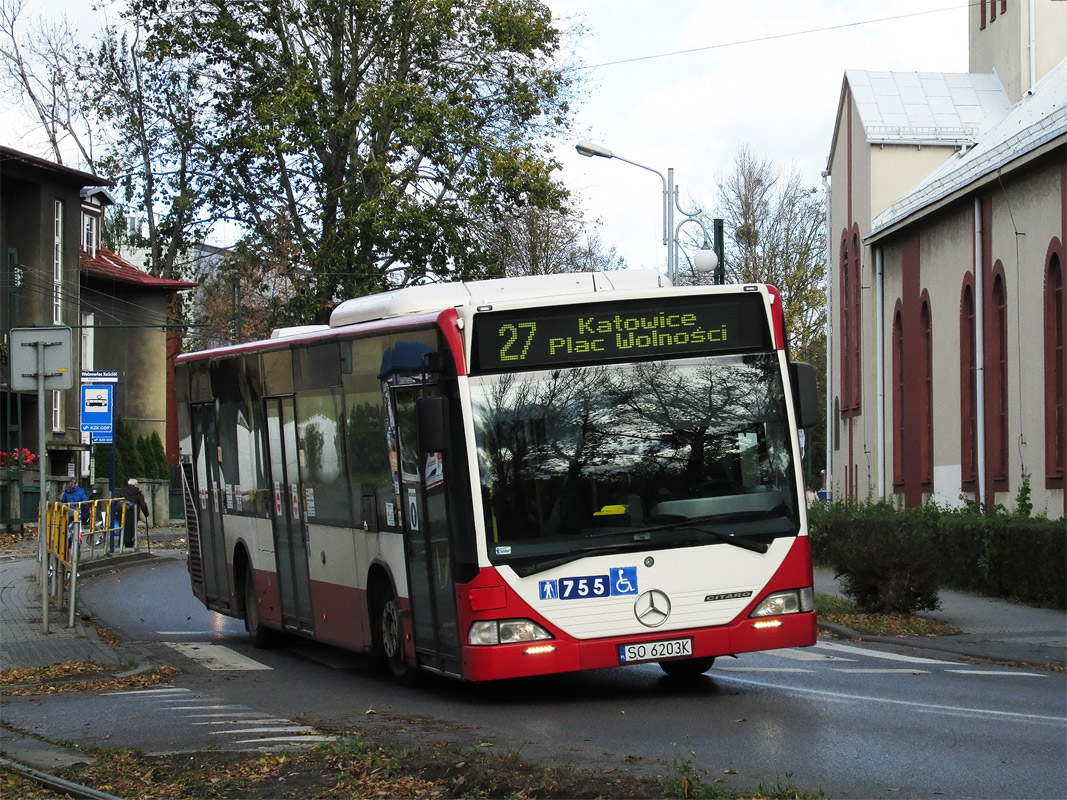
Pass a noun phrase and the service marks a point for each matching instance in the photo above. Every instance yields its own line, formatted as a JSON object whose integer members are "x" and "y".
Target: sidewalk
{"x": 23, "y": 642}
{"x": 993, "y": 630}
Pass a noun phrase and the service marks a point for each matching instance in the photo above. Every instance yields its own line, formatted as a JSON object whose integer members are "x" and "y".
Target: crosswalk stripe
{"x": 216, "y": 657}
{"x": 844, "y": 648}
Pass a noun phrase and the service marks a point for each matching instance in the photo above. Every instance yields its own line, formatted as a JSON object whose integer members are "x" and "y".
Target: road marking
{"x": 918, "y": 706}
{"x": 791, "y": 670}
{"x": 999, "y": 673}
{"x": 216, "y": 657}
{"x": 265, "y": 729}
{"x": 844, "y": 648}
{"x": 884, "y": 670}
{"x": 289, "y": 740}
{"x": 230, "y": 721}
{"x": 805, "y": 655}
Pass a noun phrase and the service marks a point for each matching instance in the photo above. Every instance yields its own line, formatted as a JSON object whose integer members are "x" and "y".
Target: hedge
{"x": 891, "y": 559}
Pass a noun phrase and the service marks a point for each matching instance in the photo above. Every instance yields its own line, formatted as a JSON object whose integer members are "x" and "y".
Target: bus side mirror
{"x": 432, "y": 421}
{"x": 805, "y": 394}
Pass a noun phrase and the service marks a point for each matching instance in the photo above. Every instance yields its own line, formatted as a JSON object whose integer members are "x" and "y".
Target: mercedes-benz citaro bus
{"x": 509, "y": 477}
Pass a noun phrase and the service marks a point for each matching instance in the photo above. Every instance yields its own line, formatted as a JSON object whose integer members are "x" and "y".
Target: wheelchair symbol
{"x": 625, "y": 581}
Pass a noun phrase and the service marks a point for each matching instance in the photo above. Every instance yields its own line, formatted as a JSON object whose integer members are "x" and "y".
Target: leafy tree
{"x": 153, "y": 114}
{"x": 377, "y": 132}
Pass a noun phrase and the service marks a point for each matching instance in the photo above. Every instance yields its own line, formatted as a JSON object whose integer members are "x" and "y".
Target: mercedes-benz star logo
{"x": 652, "y": 608}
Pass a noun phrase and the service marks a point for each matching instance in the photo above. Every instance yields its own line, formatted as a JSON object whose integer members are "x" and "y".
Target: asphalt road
{"x": 850, "y": 720}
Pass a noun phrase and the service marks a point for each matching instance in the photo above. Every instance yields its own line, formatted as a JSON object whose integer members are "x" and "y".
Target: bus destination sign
{"x": 659, "y": 328}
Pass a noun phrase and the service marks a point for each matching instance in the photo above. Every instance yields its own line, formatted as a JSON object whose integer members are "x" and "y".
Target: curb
{"x": 939, "y": 644}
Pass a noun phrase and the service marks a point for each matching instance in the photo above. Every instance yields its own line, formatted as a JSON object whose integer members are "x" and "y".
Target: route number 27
{"x": 513, "y": 344}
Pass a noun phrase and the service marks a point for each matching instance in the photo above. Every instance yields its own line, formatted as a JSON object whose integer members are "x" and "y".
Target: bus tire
{"x": 391, "y": 638}
{"x": 687, "y": 668}
{"x": 262, "y": 637}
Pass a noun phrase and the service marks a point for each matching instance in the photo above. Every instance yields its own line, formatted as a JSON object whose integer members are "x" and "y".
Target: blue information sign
{"x": 97, "y": 405}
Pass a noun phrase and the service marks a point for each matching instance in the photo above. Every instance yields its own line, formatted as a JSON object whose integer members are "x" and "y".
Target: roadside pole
{"x": 41, "y": 361}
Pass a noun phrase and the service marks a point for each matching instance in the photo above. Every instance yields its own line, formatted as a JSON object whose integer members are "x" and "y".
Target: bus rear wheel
{"x": 688, "y": 668}
{"x": 391, "y": 638}
{"x": 261, "y": 635}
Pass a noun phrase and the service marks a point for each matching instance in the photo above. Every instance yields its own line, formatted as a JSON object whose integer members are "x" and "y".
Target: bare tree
{"x": 38, "y": 64}
{"x": 536, "y": 241}
{"x": 774, "y": 225}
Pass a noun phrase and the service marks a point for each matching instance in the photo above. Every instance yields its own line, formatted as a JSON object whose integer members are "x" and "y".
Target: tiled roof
{"x": 110, "y": 266}
{"x": 1035, "y": 120}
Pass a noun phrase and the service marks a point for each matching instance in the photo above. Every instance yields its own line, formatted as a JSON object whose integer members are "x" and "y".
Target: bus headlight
{"x": 506, "y": 631}
{"x": 791, "y": 602}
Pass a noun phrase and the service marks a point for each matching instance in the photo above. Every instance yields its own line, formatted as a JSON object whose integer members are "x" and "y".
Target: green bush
{"x": 888, "y": 560}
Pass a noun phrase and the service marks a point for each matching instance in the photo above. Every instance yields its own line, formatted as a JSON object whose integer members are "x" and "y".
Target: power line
{"x": 723, "y": 45}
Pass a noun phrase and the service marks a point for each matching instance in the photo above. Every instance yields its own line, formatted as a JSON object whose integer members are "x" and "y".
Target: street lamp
{"x": 706, "y": 259}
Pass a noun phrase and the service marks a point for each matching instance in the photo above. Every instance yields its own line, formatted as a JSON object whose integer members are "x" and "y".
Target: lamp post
{"x": 706, "y": 259}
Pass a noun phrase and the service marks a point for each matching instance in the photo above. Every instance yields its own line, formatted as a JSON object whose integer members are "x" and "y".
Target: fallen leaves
{"x": 77, "y": 676}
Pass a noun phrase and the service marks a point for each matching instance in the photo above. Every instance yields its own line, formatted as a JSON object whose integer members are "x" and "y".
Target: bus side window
{"x": 369, "y": 507}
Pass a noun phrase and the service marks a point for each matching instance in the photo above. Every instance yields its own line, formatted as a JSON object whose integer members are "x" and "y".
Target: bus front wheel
{"x": 689, "y": 668}
{"x": 391, "y": 638}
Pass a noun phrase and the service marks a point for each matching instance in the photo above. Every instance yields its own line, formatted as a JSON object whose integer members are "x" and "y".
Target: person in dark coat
{"x": 134, "y": 497}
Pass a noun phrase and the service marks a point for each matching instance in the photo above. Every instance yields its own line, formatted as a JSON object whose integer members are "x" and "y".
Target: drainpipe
{"x": 1033, "y": 49}
{"x": 879, "y": 349}
{"x": 829, "y": 335}
{"x": 979, "y": 346}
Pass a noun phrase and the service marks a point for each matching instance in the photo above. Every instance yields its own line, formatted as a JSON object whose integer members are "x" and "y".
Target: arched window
{"x": 968, "y": 390}
{"x": 851, "y": 352}
{"x": 1055, "y": 377}
{"x": 998, "y": 366}
{"x": 857, "y": 338}
{"x": 926, "y": 421}
{"x": 898, "y": 401}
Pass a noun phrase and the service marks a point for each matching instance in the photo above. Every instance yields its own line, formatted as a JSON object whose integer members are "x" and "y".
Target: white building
{"x": 948, "y": 219}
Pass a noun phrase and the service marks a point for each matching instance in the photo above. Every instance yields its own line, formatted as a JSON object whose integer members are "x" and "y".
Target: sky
{"x": 683, "y": 84}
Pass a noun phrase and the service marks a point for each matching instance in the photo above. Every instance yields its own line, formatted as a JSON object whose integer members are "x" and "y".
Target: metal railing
{"x": 79, "y": 532}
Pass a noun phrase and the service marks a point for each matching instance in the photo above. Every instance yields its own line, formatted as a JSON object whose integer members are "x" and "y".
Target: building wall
{"x": 1002, "y": 43}
{"x": 1024, "y": 214}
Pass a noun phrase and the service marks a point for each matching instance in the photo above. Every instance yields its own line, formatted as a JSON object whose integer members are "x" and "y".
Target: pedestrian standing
{"x": 135, "y": 501}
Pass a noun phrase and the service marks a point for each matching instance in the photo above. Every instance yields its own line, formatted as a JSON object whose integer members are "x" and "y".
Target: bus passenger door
{"x": 212, "y": 540}
{"x": 290, "y": 529}
{"x": 427, "y": 537}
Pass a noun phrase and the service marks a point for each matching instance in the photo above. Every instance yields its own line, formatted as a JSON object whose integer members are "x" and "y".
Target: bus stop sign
{"x": 96, "y": 408}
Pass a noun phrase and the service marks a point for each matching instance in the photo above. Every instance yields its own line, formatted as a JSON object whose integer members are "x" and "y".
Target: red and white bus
{"x": 509, "y": 477}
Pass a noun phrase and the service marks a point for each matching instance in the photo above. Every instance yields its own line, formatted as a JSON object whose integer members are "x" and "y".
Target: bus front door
{"x": 427, "y": 537}
{"x": 211, "y": 540}
{"x": 290, "y": 530}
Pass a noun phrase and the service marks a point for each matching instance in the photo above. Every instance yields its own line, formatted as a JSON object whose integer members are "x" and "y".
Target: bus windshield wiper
{"x": 699, "y": 524}
{"x": 527, "y": 569}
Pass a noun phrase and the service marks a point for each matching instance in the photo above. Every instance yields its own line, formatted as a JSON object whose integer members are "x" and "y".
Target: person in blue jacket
{"x": 76, "y": 494}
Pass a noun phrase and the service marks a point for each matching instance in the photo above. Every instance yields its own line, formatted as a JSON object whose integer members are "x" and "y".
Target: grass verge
{"x": 842, "y": 611}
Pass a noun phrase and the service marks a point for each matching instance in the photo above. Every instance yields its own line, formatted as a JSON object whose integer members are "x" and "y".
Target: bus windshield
{"x": 613, "y": 457}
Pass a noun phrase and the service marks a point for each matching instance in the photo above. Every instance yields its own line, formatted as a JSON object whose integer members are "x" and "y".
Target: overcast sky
{"x": 761, "y": 73}
{"x": 683, "y": 83}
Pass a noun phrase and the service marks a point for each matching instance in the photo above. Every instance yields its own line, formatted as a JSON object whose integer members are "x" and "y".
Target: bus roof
{"x": 439, "y": 296}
